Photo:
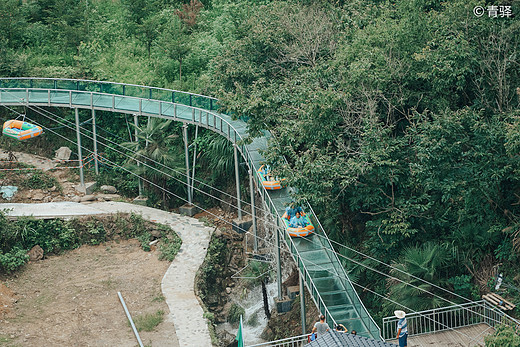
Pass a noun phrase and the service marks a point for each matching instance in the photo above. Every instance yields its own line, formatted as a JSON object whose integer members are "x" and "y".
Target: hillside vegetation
{"x": 399, "y": 119}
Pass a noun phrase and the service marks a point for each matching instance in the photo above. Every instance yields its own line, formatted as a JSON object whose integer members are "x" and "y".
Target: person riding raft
{"x": 298, "y": 221}
{"x": 291, "y": 210}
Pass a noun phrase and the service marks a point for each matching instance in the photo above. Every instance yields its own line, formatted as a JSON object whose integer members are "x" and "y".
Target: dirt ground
{"x": 71, "y": 300}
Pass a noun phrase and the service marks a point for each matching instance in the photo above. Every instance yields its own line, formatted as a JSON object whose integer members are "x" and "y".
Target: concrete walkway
{"x": 178, "y": 282}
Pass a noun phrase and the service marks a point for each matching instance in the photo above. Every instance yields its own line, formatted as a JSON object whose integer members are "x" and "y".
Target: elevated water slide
{"x": 324, "y": 276}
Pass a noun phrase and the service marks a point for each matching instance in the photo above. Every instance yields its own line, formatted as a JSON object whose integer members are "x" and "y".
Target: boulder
{"x": 156, "y": 233}
{"x": 63, "y": 153}
{"x": 108, "y": 189}
{"x": 38, "y": 196}
{"x": 88, "y": 198}
{"x": 36, "y": 253}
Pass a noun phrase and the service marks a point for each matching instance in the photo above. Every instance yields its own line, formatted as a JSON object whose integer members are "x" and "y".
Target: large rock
{"x": 108, "y": 189}
{"x": 88, "y": 198}
{"x": 63, "y": 153}
{"x": 38, "y": 196}
{"x": 36, "y": 253}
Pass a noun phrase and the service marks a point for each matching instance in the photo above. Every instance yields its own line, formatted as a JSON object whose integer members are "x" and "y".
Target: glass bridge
{"x": 324, "y": 276}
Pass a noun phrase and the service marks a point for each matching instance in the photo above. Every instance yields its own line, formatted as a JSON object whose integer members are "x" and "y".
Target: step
{"x": 327, "y": 284}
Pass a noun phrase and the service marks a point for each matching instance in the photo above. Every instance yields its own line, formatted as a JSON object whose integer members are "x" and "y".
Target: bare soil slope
{"x": 71, "y": 300}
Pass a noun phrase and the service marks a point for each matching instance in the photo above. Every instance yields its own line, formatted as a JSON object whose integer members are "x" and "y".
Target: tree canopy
{"x": 400, "y": 120}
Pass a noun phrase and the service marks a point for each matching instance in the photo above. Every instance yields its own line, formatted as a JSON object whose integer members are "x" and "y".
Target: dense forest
{"x": 400, "y": 120}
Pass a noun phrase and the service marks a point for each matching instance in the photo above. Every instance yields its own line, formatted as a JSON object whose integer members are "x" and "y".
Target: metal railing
{"x": 448, "y": 318}
{"x": 164, "y": 94}
{"x": 295, "y": 341}
{"x": 58, "y": 97}
{"x": 200, "y": 116}
{"x": 150, "y": 101}
{"x": 311, "y": 286}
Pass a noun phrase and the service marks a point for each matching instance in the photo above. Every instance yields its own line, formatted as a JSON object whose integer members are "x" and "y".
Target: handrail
{"x": 346, "y": 277}
{"x": 450, "y": 317}
{"x": 75, "y": 80}
{"x": 243, "y": 150}
{"x": 337, "y": 259}
{"x": 294, "y": 341}
{"x": 216, "y": 115}
{"x": 294, "y": 249}
{"x": 231, "y": 130}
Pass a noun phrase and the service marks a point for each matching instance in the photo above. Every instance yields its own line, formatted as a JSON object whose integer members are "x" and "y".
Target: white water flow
{"x": 254, "y": 320}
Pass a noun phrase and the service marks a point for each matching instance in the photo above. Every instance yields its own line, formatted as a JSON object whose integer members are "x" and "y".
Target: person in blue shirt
{"x": 298, "y": 221}
{"x": 402, "y": 329}
{"x": 291, "y": 211}
{"x": 266, "y": 172}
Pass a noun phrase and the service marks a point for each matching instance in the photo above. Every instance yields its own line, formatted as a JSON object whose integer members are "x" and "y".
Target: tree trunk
{"x": 266, "y": 303}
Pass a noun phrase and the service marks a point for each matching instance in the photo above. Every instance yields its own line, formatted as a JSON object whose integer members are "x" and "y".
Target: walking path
{"x": 178, "y": 282}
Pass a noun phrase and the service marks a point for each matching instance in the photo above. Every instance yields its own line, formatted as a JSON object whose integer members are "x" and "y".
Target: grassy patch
{"x": 149, "y": 321}
{"x": 159, "y": 298}
{"x": 169, "y": 246}
{"x": 27, "y": 179}
{"x": 206, "y": 221}
{"x": 4, "y": 339}
{"x": 56, "y": 236}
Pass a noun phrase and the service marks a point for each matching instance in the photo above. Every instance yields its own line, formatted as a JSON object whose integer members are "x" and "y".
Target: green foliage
{"x": 160, "y": 158}
{"x": 462, "y": 286}
{"x": 13, "y": 260}
{"x": 212, "y": 271}
{"x": 426, "y": 262}
{"x": 399, "y": 120}
{"x": 148, "y": 321}
{"x": 503, "y": 336}
{"x": 235, "y": 311}
{"x": 56, "y": 236}
{"x": 216, "y": 157}
{"x": 256, "y": 272}
{"x": 170, "y": 245}
{"x": 144, "y": 239}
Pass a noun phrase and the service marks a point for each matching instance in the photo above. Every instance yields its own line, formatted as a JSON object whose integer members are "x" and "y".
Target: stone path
{"x": 178, "y": 282}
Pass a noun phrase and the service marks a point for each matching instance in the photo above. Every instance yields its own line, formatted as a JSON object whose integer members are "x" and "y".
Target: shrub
{"x": 234, "y": 313}
{"x": 169, "y": 246}
{"x": 13, "y": 260}
{"x": 40, "y": 180}
{"x": 144, "y": 239}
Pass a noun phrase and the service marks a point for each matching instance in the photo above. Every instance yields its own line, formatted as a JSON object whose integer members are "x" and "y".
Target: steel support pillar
{"x": 194, "y": 161}
{"x": 237, "y": 178}
{"x": 94, "y": 135}
{"x": 136, "y": 123}
{"x": 302, "y": 304}
{"x": 253, "y": 212}
{"x": 80, "y": 156}
{"x": 186, "y": 155}
{"x": 278, "y": 265}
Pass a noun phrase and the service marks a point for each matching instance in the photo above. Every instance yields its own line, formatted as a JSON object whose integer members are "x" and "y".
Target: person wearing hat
{"x": 402, "y": 330}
